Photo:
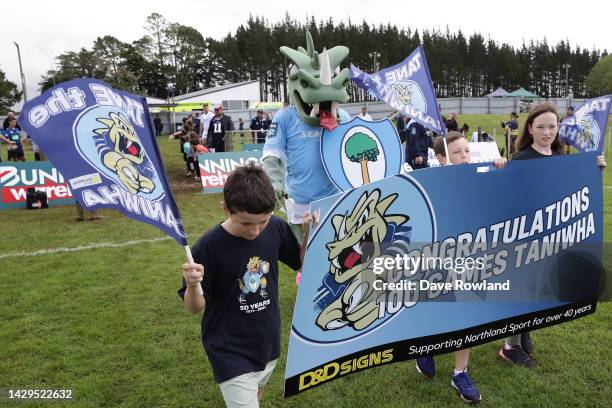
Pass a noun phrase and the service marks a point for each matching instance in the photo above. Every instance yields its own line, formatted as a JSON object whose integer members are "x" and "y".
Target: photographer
{"x": 511, "y": 128}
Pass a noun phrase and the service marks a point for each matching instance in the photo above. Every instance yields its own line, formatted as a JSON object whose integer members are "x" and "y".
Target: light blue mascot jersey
{"x": 299, "y": 146}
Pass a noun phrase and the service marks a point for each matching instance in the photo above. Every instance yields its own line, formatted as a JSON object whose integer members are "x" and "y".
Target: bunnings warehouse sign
{"x": 16, "y": 178}
{"x": 216, "y": 167}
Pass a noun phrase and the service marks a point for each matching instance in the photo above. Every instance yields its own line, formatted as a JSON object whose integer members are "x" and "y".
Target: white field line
{"x": 81, "y": 248}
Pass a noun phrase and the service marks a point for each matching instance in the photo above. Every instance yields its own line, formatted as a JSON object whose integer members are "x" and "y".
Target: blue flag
{"x": 406, "y": 87}
{"x": 102, "y": 142}
{"x": 586, "y": 129}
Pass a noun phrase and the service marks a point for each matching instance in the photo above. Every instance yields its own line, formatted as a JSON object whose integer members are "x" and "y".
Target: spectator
{"x": 451, "y": 122}
{"x": 511, "y": 127}
{"x": 364, "y": 114}
{"x": 194, "y": 149}
{"x": 400, "y": 121}
{"x": 183, "y": 138}
{"x": 465, "y": 129}
{"x": 158, "y": 125}
{"x": 258, "y": 126}
{"x": 241, "y": 128}
{"x": 196, "y": 122}
{"x": 205, "y": 122}
{"x": 219, "y": 124}
{"x": 38, "y": 155}
{"x": 9, "y": 115}
{"x": 4, "y": 139}
{"x": 267, "y": 121}
{"x": 13, "y": 133}
{"x": 417, "y": 145}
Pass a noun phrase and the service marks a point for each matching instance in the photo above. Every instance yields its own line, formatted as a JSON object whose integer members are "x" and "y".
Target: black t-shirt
{"x": 216, "y": 131}
{"x": 241, "y": 323}
{"x": 531, "y": 153}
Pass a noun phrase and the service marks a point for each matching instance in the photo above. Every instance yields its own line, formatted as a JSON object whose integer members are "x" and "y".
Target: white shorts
{"x": 241, "y": 391}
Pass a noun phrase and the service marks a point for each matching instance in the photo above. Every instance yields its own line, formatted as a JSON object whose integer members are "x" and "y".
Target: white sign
{"x": 480, "y": 152}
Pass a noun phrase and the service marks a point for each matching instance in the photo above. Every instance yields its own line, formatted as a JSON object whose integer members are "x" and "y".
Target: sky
{"x": 46, "y": 29}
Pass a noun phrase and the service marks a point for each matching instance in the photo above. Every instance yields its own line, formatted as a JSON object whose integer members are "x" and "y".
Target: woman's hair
{"x": 526, "y": 139}
{"x": 193, "y": 137}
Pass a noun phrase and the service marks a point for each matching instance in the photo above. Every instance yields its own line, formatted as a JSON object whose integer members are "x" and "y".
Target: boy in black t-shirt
{"x": 236, "y": 265}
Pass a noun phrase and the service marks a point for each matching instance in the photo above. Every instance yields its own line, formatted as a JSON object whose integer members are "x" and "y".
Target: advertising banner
{"x": 443, "y": 259}
{"x": 16, "y": 178}
{"x": 216, "y": 167}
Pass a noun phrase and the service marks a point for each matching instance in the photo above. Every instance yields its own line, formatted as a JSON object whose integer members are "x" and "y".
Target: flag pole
{"x": 190, "y": 260}
{"x": 446, "y": 150}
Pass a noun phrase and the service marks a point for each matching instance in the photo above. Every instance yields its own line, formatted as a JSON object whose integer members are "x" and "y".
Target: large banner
{"x": 101, "y": 140}
{"x": 216, "y": 167}
{"x": 586, "y": 129}
{"x": 16, "y": 178}
{"x": 406, "y": 87}
{"x": 415, "y": 264}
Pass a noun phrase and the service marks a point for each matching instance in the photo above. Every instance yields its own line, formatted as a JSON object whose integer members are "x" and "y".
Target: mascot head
{"x": 316, "y": 83}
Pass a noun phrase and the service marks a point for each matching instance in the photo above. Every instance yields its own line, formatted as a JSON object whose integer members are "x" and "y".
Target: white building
{"x": 232, "y": 96}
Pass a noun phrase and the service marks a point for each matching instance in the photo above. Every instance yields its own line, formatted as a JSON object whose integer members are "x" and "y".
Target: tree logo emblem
{"x": 359, "y": 152}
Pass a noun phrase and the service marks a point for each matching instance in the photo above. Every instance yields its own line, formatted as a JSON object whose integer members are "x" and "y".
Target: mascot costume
{"x": 291, "y": 155}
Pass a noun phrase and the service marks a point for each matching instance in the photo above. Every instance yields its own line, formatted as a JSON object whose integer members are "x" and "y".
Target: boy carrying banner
{"x": 459, "y": 153}
{"x": 236, "y": 265}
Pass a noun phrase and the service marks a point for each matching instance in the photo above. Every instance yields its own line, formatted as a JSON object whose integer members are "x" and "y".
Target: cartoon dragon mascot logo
{"x": 125, "y": 153}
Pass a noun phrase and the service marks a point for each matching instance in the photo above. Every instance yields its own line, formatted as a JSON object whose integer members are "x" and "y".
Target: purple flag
{"x": 102, "y": 142}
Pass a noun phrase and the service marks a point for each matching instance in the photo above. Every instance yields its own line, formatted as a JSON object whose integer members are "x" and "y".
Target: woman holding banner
{"x": 539, "y": 139}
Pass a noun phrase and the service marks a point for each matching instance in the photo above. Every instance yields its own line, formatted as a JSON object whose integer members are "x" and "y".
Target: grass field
{"x": 107, "y": 323}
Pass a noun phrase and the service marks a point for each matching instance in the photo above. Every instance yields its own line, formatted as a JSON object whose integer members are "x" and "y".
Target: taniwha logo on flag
{"x": 589, "y": 132}
{"x": 106, "y": 138}
{"x": 405, "y": 93}
{"x": 359, "y": 152}
{"x": 585, "y": 130}
{"x": 361, "y": 227}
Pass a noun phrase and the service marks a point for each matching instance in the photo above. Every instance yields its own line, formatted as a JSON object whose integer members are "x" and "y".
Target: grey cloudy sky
{"x": 45, "y": 29}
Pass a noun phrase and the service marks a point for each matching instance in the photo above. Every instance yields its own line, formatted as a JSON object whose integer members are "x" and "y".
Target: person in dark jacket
{"x": 417, "y": 144}
{"x": 258, "y": 126}
{"x": 451, "y": 122}
{"x": 217, "y": 128}
{"x": 401, "y": 126}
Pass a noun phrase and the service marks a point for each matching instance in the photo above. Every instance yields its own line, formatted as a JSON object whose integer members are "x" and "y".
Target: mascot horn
{"x": 291, "y": 155}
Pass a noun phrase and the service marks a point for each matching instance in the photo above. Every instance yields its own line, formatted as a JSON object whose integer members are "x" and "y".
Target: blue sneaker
{"x": 465, "y": 387}
{"x": 426, "y": 366}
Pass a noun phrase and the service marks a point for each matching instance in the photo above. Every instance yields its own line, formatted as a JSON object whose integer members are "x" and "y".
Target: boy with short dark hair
{"x": 236, "y": 265}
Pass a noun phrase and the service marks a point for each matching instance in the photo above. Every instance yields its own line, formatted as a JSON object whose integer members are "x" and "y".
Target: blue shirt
{"x": 14, "y": 135}
{"x": 299, "y": 146}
